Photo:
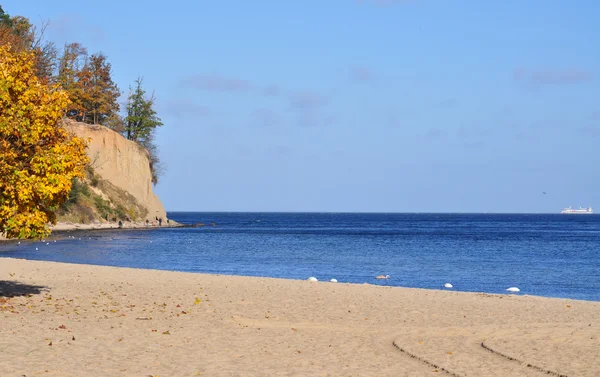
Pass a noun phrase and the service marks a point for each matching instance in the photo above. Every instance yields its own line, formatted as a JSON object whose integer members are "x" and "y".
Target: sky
{"x": 358, "y": 106}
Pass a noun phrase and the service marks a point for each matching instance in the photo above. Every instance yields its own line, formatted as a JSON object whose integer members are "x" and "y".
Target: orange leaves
{"x": 38, "y": 158}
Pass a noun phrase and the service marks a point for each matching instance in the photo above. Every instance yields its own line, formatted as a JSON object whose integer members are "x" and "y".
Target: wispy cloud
{"x": 272, "y": 91}
{"x": 307, "y": 100}
{"x": 266, "y": 117}
{"x": 308, "y": 107}
{"x": 69, "y": 27}
{"x": 590, "y": 131}
{"x": 383, "y": 3}
{"x": 184, "y": 107}
{"x": 314, "y": 118}
{"x": 447, "y": 103}
{"x": 434, "y": 134}
{"x": 361, "y": 74}
{"x": 538, "y": 78}
{"x": 212, "y": 82}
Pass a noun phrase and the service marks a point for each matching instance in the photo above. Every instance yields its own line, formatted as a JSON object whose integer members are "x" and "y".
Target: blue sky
{"x": 347, "y": 105}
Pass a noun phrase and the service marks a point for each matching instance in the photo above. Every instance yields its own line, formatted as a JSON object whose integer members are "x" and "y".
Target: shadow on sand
{"x": 13, "y": 289}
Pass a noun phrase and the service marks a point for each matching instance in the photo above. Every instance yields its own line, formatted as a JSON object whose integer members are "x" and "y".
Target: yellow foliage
{"x": 38, "y": 158}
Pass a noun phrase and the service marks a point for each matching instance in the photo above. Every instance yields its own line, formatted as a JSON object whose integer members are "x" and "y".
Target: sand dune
{"x": 80, "y": 320}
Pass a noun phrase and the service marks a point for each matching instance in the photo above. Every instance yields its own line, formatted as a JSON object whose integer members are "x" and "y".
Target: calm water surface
{"x": 547, "y": 255}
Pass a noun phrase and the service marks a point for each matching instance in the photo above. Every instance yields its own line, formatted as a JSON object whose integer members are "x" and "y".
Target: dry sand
{"x": 80, "y": 320}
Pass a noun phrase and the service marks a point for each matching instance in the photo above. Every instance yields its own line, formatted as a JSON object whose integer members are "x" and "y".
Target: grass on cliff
{"x": 96, "y": 200}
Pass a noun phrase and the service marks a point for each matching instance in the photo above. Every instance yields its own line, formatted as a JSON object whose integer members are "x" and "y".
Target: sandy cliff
{"x": 121, "y": 162}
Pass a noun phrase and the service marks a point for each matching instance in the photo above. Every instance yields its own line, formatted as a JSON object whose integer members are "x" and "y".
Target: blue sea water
{"x": 546, "y": 255}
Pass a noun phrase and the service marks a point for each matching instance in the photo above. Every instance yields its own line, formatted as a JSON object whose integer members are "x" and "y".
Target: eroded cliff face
{"x": 120, "y": 162}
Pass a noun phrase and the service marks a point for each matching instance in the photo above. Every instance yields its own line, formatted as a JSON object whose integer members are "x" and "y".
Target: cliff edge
{"x": 121, "y": 164}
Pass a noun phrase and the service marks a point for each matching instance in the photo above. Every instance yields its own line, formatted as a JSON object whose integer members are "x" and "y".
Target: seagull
{"x": 447, "y": 285}
{"x": 513, "y": 289}
{"x": 382, "y": 277}
{"x": 333, "y": 280}
{"x": 312, "y": 278}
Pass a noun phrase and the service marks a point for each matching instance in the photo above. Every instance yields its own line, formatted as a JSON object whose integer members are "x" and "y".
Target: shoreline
{"x": 194, "y": 273}
{"x": 64, "y": 319}
{"x": 66, "y": 227}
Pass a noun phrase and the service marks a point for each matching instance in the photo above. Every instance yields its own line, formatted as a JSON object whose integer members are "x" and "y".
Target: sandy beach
{"x": 67, "y": 226}
{"x": 80, "y": 320}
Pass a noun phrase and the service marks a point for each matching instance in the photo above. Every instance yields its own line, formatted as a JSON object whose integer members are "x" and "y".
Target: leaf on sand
{"x": 197, "y": 301}
{"x": 166, "y": 332}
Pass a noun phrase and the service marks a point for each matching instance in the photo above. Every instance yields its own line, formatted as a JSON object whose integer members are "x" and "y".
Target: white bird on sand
{"x": 447, "y": 285}
{"x": 513, "y": 289}
{"x": 312, "y": 278}
{"x": 333, "y": 280}
{"x": 382, "y": 277}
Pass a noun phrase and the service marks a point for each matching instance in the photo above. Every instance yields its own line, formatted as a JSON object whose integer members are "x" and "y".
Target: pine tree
{"x": 141, "y": 119}
{"x": 140, "y": 123}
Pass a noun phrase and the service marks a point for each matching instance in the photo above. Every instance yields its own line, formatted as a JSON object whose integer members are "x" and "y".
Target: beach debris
{"x": 382, "y": 277}
{"x": 333, "y": 280}
{"x": 36, "y": 249}
{"x": 166, "y": 332}
{"x": 312, "y": 278}
{"x": 197, "y": 301}
{"x": 513, "y": 289}
{"x": 448, "y": 285}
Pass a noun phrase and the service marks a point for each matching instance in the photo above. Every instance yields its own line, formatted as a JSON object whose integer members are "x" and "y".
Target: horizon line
{"x": 376, "y": 212}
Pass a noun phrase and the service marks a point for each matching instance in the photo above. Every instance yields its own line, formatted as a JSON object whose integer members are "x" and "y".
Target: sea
{"x": 541, "y": 254}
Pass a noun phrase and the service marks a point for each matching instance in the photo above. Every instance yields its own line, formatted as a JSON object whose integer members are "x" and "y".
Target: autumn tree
{"x": 22, "y": 35}
{"x": 69, "y": 65}
{"x": 99, "y": 92}
{"x": 141, "y": 121}
{"x": 38, "y": 158}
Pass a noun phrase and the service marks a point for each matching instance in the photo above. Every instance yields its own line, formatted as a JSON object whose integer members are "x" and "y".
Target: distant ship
{"x": 580, "y": 211}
